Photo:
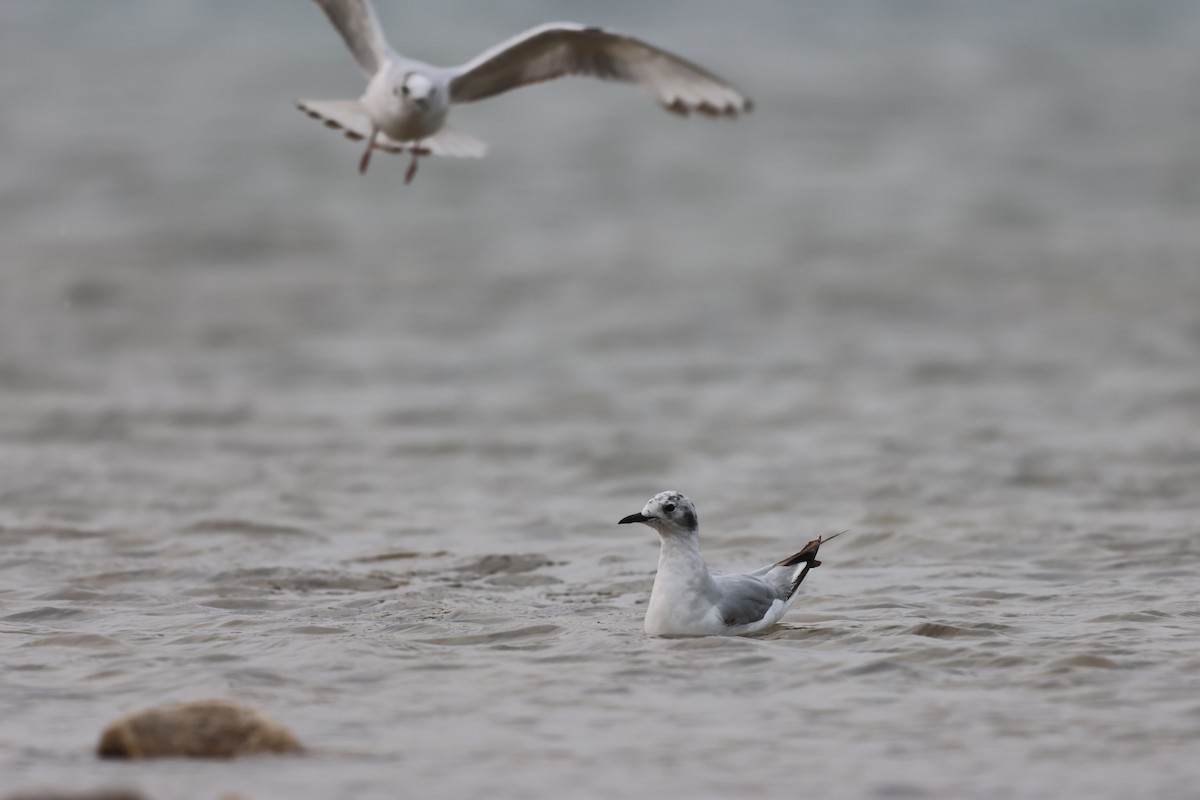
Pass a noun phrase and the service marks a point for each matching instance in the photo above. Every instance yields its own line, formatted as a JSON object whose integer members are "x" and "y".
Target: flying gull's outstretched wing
{"x": 356, "y": 22}
{"x": 559, "y": 49}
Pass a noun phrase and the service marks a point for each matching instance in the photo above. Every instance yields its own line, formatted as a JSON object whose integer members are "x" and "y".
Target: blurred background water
{"x": 353, "y": 452}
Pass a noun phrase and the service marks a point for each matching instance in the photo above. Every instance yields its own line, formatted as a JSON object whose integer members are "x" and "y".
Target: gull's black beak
{"x": 633, "y": 518}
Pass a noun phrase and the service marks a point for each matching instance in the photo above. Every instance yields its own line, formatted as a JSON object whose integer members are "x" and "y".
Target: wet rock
{"x": 97, "y": 794}
{"x": 200, "y": 729}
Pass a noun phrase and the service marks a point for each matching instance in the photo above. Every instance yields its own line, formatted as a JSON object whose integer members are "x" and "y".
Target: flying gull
{"x": 406, "y": 102}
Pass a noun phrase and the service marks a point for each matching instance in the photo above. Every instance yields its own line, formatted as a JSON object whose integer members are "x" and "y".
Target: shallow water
{"x": 354, "y": 452}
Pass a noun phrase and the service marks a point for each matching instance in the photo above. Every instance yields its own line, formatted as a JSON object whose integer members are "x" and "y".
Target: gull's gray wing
{"x": 563, "y": 48}
{"x": 743, "y": 599}
{"x": 355, "y": 21}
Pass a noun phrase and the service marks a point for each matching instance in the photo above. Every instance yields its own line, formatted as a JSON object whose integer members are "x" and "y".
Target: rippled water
{"x": 353, "y": 453}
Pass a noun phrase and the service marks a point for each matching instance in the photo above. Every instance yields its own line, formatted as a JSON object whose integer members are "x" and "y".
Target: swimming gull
{"x": 406, "y": 102}
{"x": 689, "y": 600}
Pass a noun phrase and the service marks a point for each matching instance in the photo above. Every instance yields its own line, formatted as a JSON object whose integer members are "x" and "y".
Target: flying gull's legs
{"x": 411, "y": 172}
{"x": 366, "y": 156}
{"x": 416, "y": 151}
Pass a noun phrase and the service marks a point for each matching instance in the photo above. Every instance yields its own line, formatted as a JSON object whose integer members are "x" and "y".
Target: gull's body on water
{"x": 689, "y": 600}
{"x": 406, "y": 102}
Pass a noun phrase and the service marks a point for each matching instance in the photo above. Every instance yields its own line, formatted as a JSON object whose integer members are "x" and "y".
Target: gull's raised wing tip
{"x": 808, "y": 553}
{"x": 832, "y": 536}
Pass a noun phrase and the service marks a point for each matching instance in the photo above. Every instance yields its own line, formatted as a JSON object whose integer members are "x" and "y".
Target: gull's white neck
{"x": 681, "y": 581}
{"x": 680, "y": 552}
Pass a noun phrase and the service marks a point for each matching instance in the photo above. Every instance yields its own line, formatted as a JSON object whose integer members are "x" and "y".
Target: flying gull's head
{"x": 415, "y": 88}
{"x": 667, "y": 512}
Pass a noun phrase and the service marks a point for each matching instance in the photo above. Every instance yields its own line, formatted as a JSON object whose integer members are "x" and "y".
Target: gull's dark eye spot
{"x": 669, "y": 507}
{"x": 404, "y": 89}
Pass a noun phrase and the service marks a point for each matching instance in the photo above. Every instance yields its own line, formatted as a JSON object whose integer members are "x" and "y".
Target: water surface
{"x": 353, "y": 452}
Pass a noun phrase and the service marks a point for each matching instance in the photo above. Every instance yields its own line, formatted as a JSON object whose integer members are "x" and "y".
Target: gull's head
{"x": 415, "y": 88}
{"x": 667, "y": 512}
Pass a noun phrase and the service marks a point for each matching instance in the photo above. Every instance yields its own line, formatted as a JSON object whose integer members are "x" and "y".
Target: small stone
{"x": 200, "y": 729}
{"x": 98, "y": 794}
